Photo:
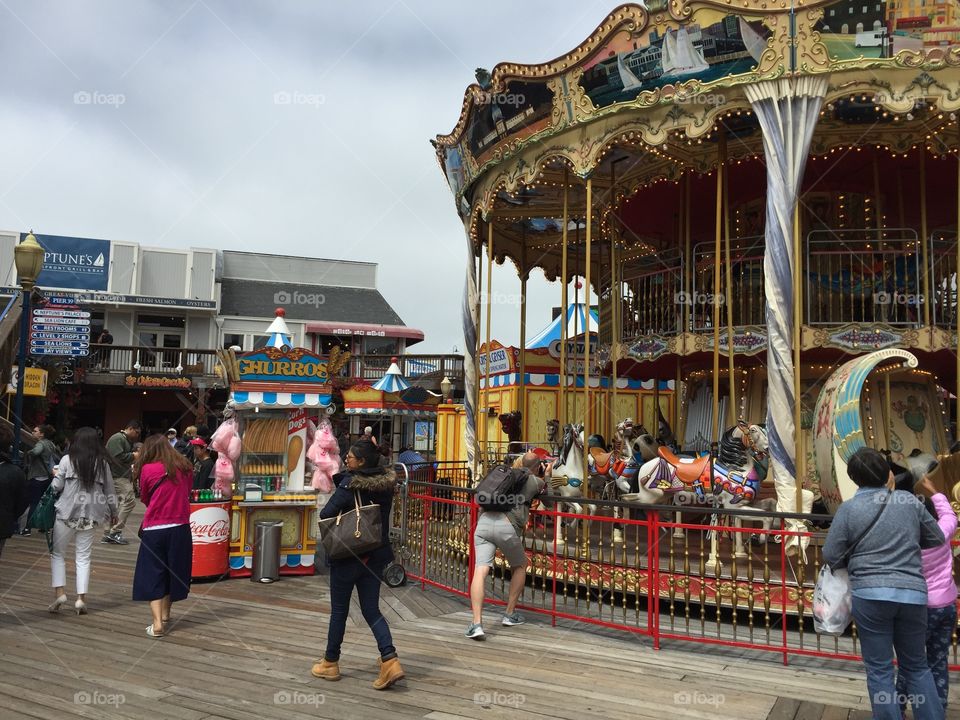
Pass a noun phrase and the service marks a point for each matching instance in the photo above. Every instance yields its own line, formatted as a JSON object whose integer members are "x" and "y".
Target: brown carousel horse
{"x": 511, "y": 424}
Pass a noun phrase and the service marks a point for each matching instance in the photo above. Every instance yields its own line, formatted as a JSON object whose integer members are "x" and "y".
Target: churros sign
{"x": 275, "y": 365}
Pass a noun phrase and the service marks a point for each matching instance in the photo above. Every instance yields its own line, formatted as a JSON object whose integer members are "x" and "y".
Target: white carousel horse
{"x": 734, "y": 483}
{"x": 568, "y": 477}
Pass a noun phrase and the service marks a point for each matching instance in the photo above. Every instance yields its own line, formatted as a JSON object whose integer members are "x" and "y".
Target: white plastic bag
{"x": 832, "y": 602}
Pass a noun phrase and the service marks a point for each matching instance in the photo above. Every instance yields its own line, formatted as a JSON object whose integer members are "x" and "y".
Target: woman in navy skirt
{"x": 165, "y": 560}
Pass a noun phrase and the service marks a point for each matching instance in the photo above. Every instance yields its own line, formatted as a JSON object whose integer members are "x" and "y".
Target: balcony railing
{"x": 154, "y": 361}
{"x": 849, "y": 276}
{"x": 413, "y": 367}
{"x": 188, "y": 362}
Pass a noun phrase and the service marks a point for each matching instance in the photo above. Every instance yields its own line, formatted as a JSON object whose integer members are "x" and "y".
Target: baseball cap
{"x": 198, "y": 442}
{"x": 171, "y": 430}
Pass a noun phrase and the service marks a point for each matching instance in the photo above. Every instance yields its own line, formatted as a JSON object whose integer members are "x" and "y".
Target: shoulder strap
{"x": 853, "y": 546}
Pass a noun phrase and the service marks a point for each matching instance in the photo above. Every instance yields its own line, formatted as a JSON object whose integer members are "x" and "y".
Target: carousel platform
{"x": 242, "y": 650}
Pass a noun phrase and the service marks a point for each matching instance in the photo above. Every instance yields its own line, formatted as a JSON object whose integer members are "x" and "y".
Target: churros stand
{"x": 273, "y": 391}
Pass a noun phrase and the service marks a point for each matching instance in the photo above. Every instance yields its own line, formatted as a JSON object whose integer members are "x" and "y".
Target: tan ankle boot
{"x": 390, "y": 672}
{"x": 326, "y": 670}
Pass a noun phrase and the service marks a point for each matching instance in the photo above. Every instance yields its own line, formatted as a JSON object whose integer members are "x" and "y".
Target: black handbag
{"x": 352, "y": 533}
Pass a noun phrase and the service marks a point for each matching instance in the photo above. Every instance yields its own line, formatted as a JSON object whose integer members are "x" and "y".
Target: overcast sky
{"x": 160, "y": 122}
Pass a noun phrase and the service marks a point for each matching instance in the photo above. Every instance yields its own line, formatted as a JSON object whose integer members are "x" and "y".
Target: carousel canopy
{"x": 576, "y": 318}
{"x": 393, "y": 381}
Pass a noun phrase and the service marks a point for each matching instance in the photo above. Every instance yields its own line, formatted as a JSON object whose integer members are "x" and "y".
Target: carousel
{"x": 761, "y": 200}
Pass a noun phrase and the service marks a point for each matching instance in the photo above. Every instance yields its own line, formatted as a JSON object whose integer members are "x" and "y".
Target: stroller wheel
{"x": 394, "y": 575}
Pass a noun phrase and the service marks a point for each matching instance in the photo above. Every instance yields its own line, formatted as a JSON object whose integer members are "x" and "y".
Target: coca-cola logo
{"x": 210, "y": 525}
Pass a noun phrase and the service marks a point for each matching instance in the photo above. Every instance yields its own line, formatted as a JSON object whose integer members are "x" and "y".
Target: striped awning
{"x": 245, "y": 399}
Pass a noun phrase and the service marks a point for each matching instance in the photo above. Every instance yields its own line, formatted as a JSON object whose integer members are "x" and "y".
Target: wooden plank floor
{"x": 243, "y": 650}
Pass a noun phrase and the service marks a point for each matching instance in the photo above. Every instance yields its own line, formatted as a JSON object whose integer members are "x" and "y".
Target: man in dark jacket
{"x": 122, "y": 456}
{"x": 204, "y": 461}
{"x": 38, "y": 466}
{"x": 13, "y": 488}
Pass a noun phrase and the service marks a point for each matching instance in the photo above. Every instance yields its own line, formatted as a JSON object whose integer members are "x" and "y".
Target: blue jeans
{"x": 344, "y": 577}
{"x": 940, "y": 625}
{"x": 884, "y": 626}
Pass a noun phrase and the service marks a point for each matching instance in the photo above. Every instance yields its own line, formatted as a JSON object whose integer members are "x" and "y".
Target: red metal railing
{"x": 643, "y": 575}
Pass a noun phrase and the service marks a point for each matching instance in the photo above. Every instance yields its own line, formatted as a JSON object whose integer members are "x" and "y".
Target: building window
{"x": 877, "y": 25}
{"x": 832, "y": 12}
{"x": 379, "y": 346}
{"x": 864, "y": 12}
{"x": 844, "y": 29}
{"x": 859, "y": 27}
{"x": 232, "y": 340}
{"x": 260, "y": 342}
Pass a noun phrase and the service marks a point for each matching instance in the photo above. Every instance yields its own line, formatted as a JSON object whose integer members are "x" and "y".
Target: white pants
{"x": 62, "y": 535}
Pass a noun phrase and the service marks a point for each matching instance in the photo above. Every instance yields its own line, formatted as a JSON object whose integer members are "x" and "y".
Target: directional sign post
{"x": 60, "y": 328}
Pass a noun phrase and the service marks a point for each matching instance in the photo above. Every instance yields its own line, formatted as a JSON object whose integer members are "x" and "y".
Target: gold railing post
{"x": 486, "y": 414}
{"x": 564, "y": 300}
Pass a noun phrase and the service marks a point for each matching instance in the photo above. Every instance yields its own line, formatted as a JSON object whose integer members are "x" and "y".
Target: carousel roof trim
{"x": 630, "y": 16}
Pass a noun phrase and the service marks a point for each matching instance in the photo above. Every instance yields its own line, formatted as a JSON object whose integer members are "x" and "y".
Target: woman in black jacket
{"x": 375, "y": 484}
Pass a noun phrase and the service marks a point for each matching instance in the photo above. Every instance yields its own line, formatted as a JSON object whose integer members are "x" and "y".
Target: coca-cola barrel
{"x": 210, "y": 528}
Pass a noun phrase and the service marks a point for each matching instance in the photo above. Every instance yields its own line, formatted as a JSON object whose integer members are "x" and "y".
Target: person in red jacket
{"x": 164, "y": 562}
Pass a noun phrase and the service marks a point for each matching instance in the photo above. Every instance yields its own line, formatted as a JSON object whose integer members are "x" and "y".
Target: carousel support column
{"x": 615, "y": 331}
{"x": 787, "y": 110}
{"x": 522, "y": 394}
{"x": 721, "y": 160}
{"x": 486, "y": 413}
{"x": 564, "y": 301}
{"x": 797, "y": 324}
{"x": 728, "y": 301}
{"x": 956, "y": 311}
{"x": 924, "y": 245}
{"x": 687, "y": 309}
{"x": 476, "y": 362}
{"x": 887, "y": 417}
{"x": 586, "y": 350}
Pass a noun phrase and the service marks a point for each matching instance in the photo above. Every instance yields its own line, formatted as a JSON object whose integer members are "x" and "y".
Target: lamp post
{"x": 28, "y": 257}
{"x": 446, "y": 389}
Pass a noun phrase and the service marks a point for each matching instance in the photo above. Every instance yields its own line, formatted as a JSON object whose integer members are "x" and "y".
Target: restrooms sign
{"x": 74, "y": 263}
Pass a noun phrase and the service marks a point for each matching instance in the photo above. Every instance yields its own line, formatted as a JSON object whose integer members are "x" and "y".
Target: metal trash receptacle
{"x": 266, "y": 551}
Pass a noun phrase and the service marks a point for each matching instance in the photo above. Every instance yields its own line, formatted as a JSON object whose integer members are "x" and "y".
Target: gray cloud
{"x": 200, "y": 152}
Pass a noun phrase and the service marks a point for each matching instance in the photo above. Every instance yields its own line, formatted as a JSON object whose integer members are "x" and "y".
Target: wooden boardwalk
{"x": 243, "y": 651}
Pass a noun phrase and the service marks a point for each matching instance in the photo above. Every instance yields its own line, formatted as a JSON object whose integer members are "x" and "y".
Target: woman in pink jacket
{"x": 165, "y": 560}
{"x": 941, "y": 590}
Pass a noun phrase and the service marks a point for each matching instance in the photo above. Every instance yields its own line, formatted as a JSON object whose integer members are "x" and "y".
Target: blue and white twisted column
{"x": 470, "y": 319}
{"x": 787, "y": 110}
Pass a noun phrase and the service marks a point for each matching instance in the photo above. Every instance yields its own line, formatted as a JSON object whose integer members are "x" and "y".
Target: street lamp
{"x": 446, "y": 389}
{"x": 28, "y": 257}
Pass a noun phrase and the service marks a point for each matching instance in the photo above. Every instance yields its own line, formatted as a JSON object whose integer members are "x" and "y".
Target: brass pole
{"x": 522, "y": 394}
{"x": 728, "y": 296}
{"x": 721, "y": 153}
{"x": 887, "y": 418}
{"x": 615, "y": 330}
{"x": 923, "y": 238}
{"x": 586, "y": 322}
{"x": 687, "y": 310}
{"x": 564, "y": 299}
{"x": 956, "y": 309}
{"x": 486, "y": 415}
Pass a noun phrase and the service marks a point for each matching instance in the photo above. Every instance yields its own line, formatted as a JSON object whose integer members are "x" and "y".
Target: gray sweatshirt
{"x": 889, "y": 555}
{"x": 98, "y": 505}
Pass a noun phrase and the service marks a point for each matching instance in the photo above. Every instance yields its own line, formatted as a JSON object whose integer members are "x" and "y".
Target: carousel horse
{"x": 733, "y": 483}
{"x": 568, "y": 477}
{"x": 553, "y": 433}
{"x": 512, "y": 426}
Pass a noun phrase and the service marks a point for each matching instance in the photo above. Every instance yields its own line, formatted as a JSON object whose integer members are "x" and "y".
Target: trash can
{"x": 266, "y": 551}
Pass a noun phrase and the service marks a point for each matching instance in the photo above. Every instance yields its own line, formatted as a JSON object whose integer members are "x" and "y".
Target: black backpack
{"x": 500, "y": 490}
